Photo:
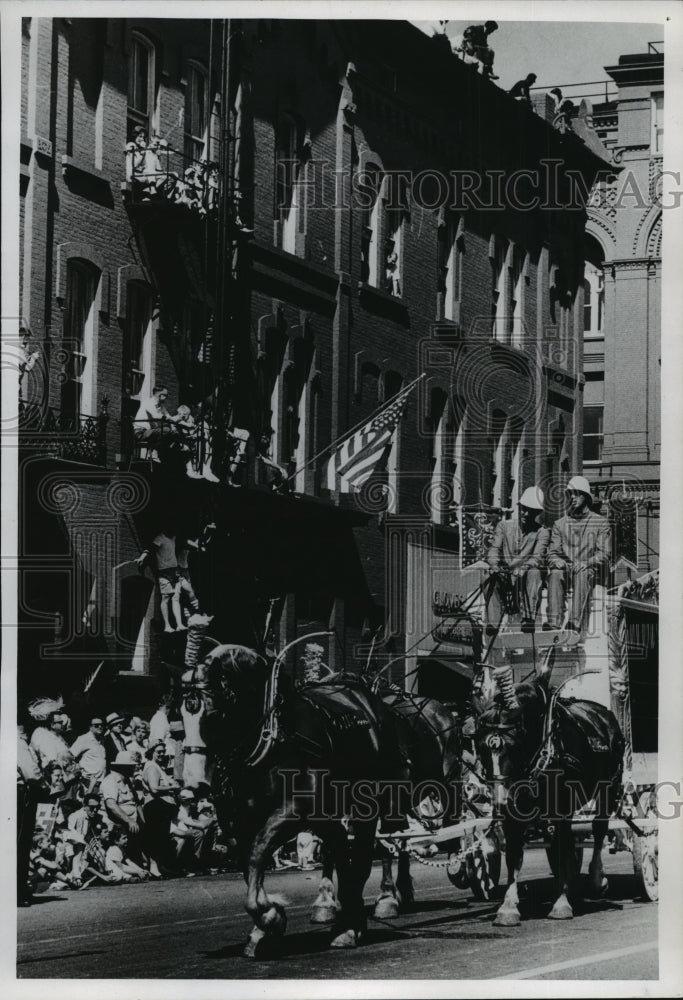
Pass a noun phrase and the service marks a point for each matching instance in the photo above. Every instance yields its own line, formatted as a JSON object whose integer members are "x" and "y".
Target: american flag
{"x": 366, "y": 450}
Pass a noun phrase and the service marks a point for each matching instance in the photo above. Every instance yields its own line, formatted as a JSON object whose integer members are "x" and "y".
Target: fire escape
{"x": 187, "y": 231}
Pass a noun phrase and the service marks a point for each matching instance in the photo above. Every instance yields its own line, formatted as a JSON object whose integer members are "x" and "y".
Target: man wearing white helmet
{"x": 578, "y": 554}
{"x": 516, "y": 558}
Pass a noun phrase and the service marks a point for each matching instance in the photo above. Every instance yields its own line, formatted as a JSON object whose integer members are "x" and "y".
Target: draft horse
{"x": 430, "y": 746}
{"x": 291, "y": 767}
{"x": 546, "y": 757}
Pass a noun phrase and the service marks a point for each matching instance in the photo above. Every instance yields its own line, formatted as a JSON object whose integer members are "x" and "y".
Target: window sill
{"x": 71, "y": 166}
{"x": 378, "y": 301}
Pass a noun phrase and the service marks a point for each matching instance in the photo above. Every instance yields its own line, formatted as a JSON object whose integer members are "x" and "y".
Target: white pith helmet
{"x": 532, "y": 497}
{"x": 581, "y": 485}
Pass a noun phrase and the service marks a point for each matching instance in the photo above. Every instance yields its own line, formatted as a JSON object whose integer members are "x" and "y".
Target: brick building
{"x": 388, "y": 241}
{"x": 622, "y": 428}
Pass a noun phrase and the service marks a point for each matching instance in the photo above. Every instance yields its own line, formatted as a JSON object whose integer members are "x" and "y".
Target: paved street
{"x": 195, "y": 928}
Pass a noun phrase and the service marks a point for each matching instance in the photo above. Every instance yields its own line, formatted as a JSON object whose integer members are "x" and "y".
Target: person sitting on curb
{"x": 117, "y": 862}
{"x": 516, "y": 558}
{"x": 578, "y": 554}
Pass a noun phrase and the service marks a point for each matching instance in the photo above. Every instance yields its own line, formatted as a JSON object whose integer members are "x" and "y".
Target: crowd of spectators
{"x": 109, "y": 804}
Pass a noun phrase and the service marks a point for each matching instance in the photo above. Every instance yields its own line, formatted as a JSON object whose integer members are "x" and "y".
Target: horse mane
{"x": 532, "y": 696}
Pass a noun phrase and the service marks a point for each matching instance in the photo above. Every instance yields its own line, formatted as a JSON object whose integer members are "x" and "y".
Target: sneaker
{"x": 491, "y": 630}
{"x": 550, "y": 627}
{"x": 528, "y": 625}
{"x": 572, "y": 627}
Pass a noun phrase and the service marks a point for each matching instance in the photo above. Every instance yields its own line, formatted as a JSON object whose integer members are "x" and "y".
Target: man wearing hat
{"x": 114, "y": 741}
{"x": 516, "y": 557}
{"x": 122, "y": 805}
{"x": 578, "y": 554}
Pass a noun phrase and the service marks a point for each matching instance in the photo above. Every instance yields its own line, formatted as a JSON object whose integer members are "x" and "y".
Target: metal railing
{"x": 604, "y": 89}
{"x": 159, "y": 173}
{"x": 76, "y": 437}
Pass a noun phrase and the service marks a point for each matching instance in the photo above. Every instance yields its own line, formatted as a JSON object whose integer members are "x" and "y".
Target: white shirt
{"x": 90, "y": 754}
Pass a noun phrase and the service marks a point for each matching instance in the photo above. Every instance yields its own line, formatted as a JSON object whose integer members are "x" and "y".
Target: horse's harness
{"x": 269, "y": 725}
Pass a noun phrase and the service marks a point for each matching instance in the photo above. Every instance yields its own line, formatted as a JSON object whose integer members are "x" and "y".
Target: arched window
{"x": 142, "y": 88}
{"x": 593, "y": 300}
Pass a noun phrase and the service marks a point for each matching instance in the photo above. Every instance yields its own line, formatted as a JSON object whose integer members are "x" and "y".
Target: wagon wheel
{"x": 480, "y": 870}
{"x": 646, "y": 854}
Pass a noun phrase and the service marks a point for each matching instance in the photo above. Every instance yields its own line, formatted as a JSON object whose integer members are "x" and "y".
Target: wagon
{"x": 614, "y": 661}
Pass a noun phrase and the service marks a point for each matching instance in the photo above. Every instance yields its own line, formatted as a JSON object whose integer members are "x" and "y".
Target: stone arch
{"x": 654, "y": 238}
{"x": 600, "y": 229}
{"x": 649, "y": 221}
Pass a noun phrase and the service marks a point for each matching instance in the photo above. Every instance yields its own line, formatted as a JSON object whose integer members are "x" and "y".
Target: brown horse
{"x": 547, "y": 757}
{"x": 323, "y": 746}
{"x": 429, "y": 737}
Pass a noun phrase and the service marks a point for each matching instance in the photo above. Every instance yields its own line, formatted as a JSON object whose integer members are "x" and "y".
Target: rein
{"x": 269, "y": 723}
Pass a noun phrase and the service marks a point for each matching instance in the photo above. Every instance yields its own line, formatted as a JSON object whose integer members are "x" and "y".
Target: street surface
{"x": 195, "y": 928}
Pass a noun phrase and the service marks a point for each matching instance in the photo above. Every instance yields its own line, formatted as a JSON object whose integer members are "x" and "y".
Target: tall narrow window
{"x": 593, "y": 413}
{"x": 517, "y": 290}
{"x": 657, "y": 140}
{"x": 453, "y": 269}
{"x": 392, "y": 385}
{"x": 197, "y": 113}
{"x": 499, "y": 459}
{"x": 592, "y": 433}
{"x": 438, "y": 488}
{"x": 77, "y": 394}
{"x": 593, "y": 300}
{"x": 138, "y": 348}
{"x": 500, "y": 286}
{"x": 394, "y": 206}
{"x": 290, "y": 185}
{"x": 141, "y": 84}
{"x": 370, "y": 234}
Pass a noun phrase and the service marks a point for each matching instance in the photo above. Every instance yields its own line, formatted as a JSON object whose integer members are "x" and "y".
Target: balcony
{"x": 75, "y": 438}
{"x": 159, "y": 175}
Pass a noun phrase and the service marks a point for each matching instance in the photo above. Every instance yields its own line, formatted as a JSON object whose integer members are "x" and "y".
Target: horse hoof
{"x": 347, "y": 939}
{"x": 254, "y": 948}
{"x": 326, "y": 914}
{"x": 561, "y": 911}
{"x": 507, "y": 917}
{"x": 386, "y": 908}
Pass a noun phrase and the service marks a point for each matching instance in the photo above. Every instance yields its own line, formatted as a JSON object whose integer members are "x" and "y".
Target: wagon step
{"x": 561, "y": 639}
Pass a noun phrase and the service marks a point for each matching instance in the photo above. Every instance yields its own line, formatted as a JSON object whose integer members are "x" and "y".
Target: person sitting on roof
{"x": 475, "y": 43}
{"x": 516, "y": 558}
{"x": 520, "y": 91}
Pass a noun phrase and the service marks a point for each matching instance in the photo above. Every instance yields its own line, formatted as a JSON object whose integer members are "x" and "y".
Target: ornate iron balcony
{"x": 75, "y": 437}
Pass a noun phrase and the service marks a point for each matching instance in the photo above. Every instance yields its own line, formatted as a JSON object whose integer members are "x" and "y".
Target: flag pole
{"x": 353, "y": 429}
